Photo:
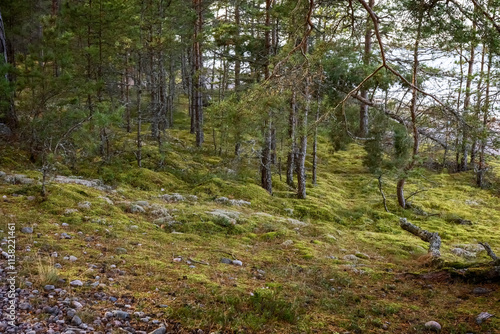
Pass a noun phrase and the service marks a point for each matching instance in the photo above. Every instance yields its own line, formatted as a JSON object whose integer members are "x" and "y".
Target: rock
{"x": 70, "y": 211}
{"x": 121, "y": 250}
{"x": 65, "y": 235}
{"x": 76, "y": 321}
{"x": 24, "y": 306}
{"x": 226, "y": 260}
{"x": 350, "y": 257}
{"x": 76, "y": 283}
{"x": 27, "y": 230}
{"x": 73, "y": 258}
{"x": 287, "y": 243}
{"x": 362, "y": 255}
{"x": 51, "y": 310}
{"x": 77, "y": 304}
{"x": 107, "y": 200}
{"x": 192, "y": 198}
{"x": 482, "y": 317}
{"x": 122, "y": 315}
{"x": 433, "y": 326}
{"x": 49, "y": 287}
{"x": 481, "y": 291}
{"x": 296, "y": 222}
{"x": 173, "y": 198}
{"x": 84, "y": 205}
{"x": 463, "y": 253}
{"x": 134, "y": 208}
{"x": 222, "y": 200}
{"x": 237, "y": 263}
{"x": 5, "y": 131}
{"x": 239, "y": 202}
{"x": 229, "y": 214}
{"x": 144, "y": 204}
{"x": 57, "y": 266}
{"x": 161, "y": 330}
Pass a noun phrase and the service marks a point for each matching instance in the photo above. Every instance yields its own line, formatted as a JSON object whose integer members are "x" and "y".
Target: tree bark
{"x": 292, "y": 121}
{"x": 266, "y": 159}
{"x": 432, "y": 238}
{"x": 468, "y": 83}
{"x": 10, "y": 112}
{"x": 197, "y": 74}
{"x": 363, "y": 112}
{"x": 413, "y": 111}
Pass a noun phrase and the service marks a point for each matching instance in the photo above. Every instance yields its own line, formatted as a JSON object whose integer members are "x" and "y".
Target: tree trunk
{"x": 465, "y": 133}
{"x": 413, "y": 111}
{"x": 292, "y": 121}
{"x": 302, "y": 149}
{"x": 400, "y": 190}
{"x": 139, "y": 112}
{"x": 197, "y": 74}
{"x": 10, "y": 112}
{"x": 265, "y": 166}
{"x": 363, "y": 112}
{"x": 481, "y": 168}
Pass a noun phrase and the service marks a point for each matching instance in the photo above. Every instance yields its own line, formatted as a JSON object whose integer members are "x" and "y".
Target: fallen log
{"x": 490, "y": 253}
{"x": 432, "y": 238}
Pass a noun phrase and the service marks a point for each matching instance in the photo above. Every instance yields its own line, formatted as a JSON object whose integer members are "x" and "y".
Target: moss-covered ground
{"x": 294, "y": 277}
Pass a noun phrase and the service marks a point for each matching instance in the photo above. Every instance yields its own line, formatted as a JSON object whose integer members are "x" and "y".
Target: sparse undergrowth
{"x": 334, "y": 262}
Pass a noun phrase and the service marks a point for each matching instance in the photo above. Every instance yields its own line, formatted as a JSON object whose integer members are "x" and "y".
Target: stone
{"x": 76, "y": 283}
{"x": 226, "y": 260}
{"x": 107, "y": 200}
{"x": 51, "y": 310}
{"x": 350, "y": 257}
{"x": 65, "y": 235}
{"x": 64, "y": 224}
{"x": 237, "y": 263}
{"x": 161, "y": 330}
{"x": 70, "y": 211}
{"x": 483, "y": 316}
{"x": 24, "y": 306}
{"x": 84, "y": 205}
{"x": 463, "y": 253}
{"x": 296, "y": 222}
{"x": 76, "y": 321}
{"x": 362, "y": 255}
{"x": 121, "y": 250}
{"x": 433, "y": 326}
{"x": 144, "y": 204}
{"x": 27, "y": 230}
{"x": 57, "y": 266}
{"x": 481, "y": 291}
{"x": 222, "y": 200}
{"x": 239, "y": 202}
{"x": 134, "y": 208}
{"x": 70, "y": 313}
{"x": 287, "y": 243}
{"x": 77, "y": 304}
{"x": 173, "y": 197}
{"x": 122, "y": 315}
{"x": 73, "y": 258}
{"x": 49, "y": 287}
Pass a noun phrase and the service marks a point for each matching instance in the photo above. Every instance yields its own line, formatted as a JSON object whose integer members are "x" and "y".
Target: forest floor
{"x": 195, "y": 244}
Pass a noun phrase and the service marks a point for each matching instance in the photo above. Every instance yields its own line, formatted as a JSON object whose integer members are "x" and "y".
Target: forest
{"x": 250, "y": 166}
